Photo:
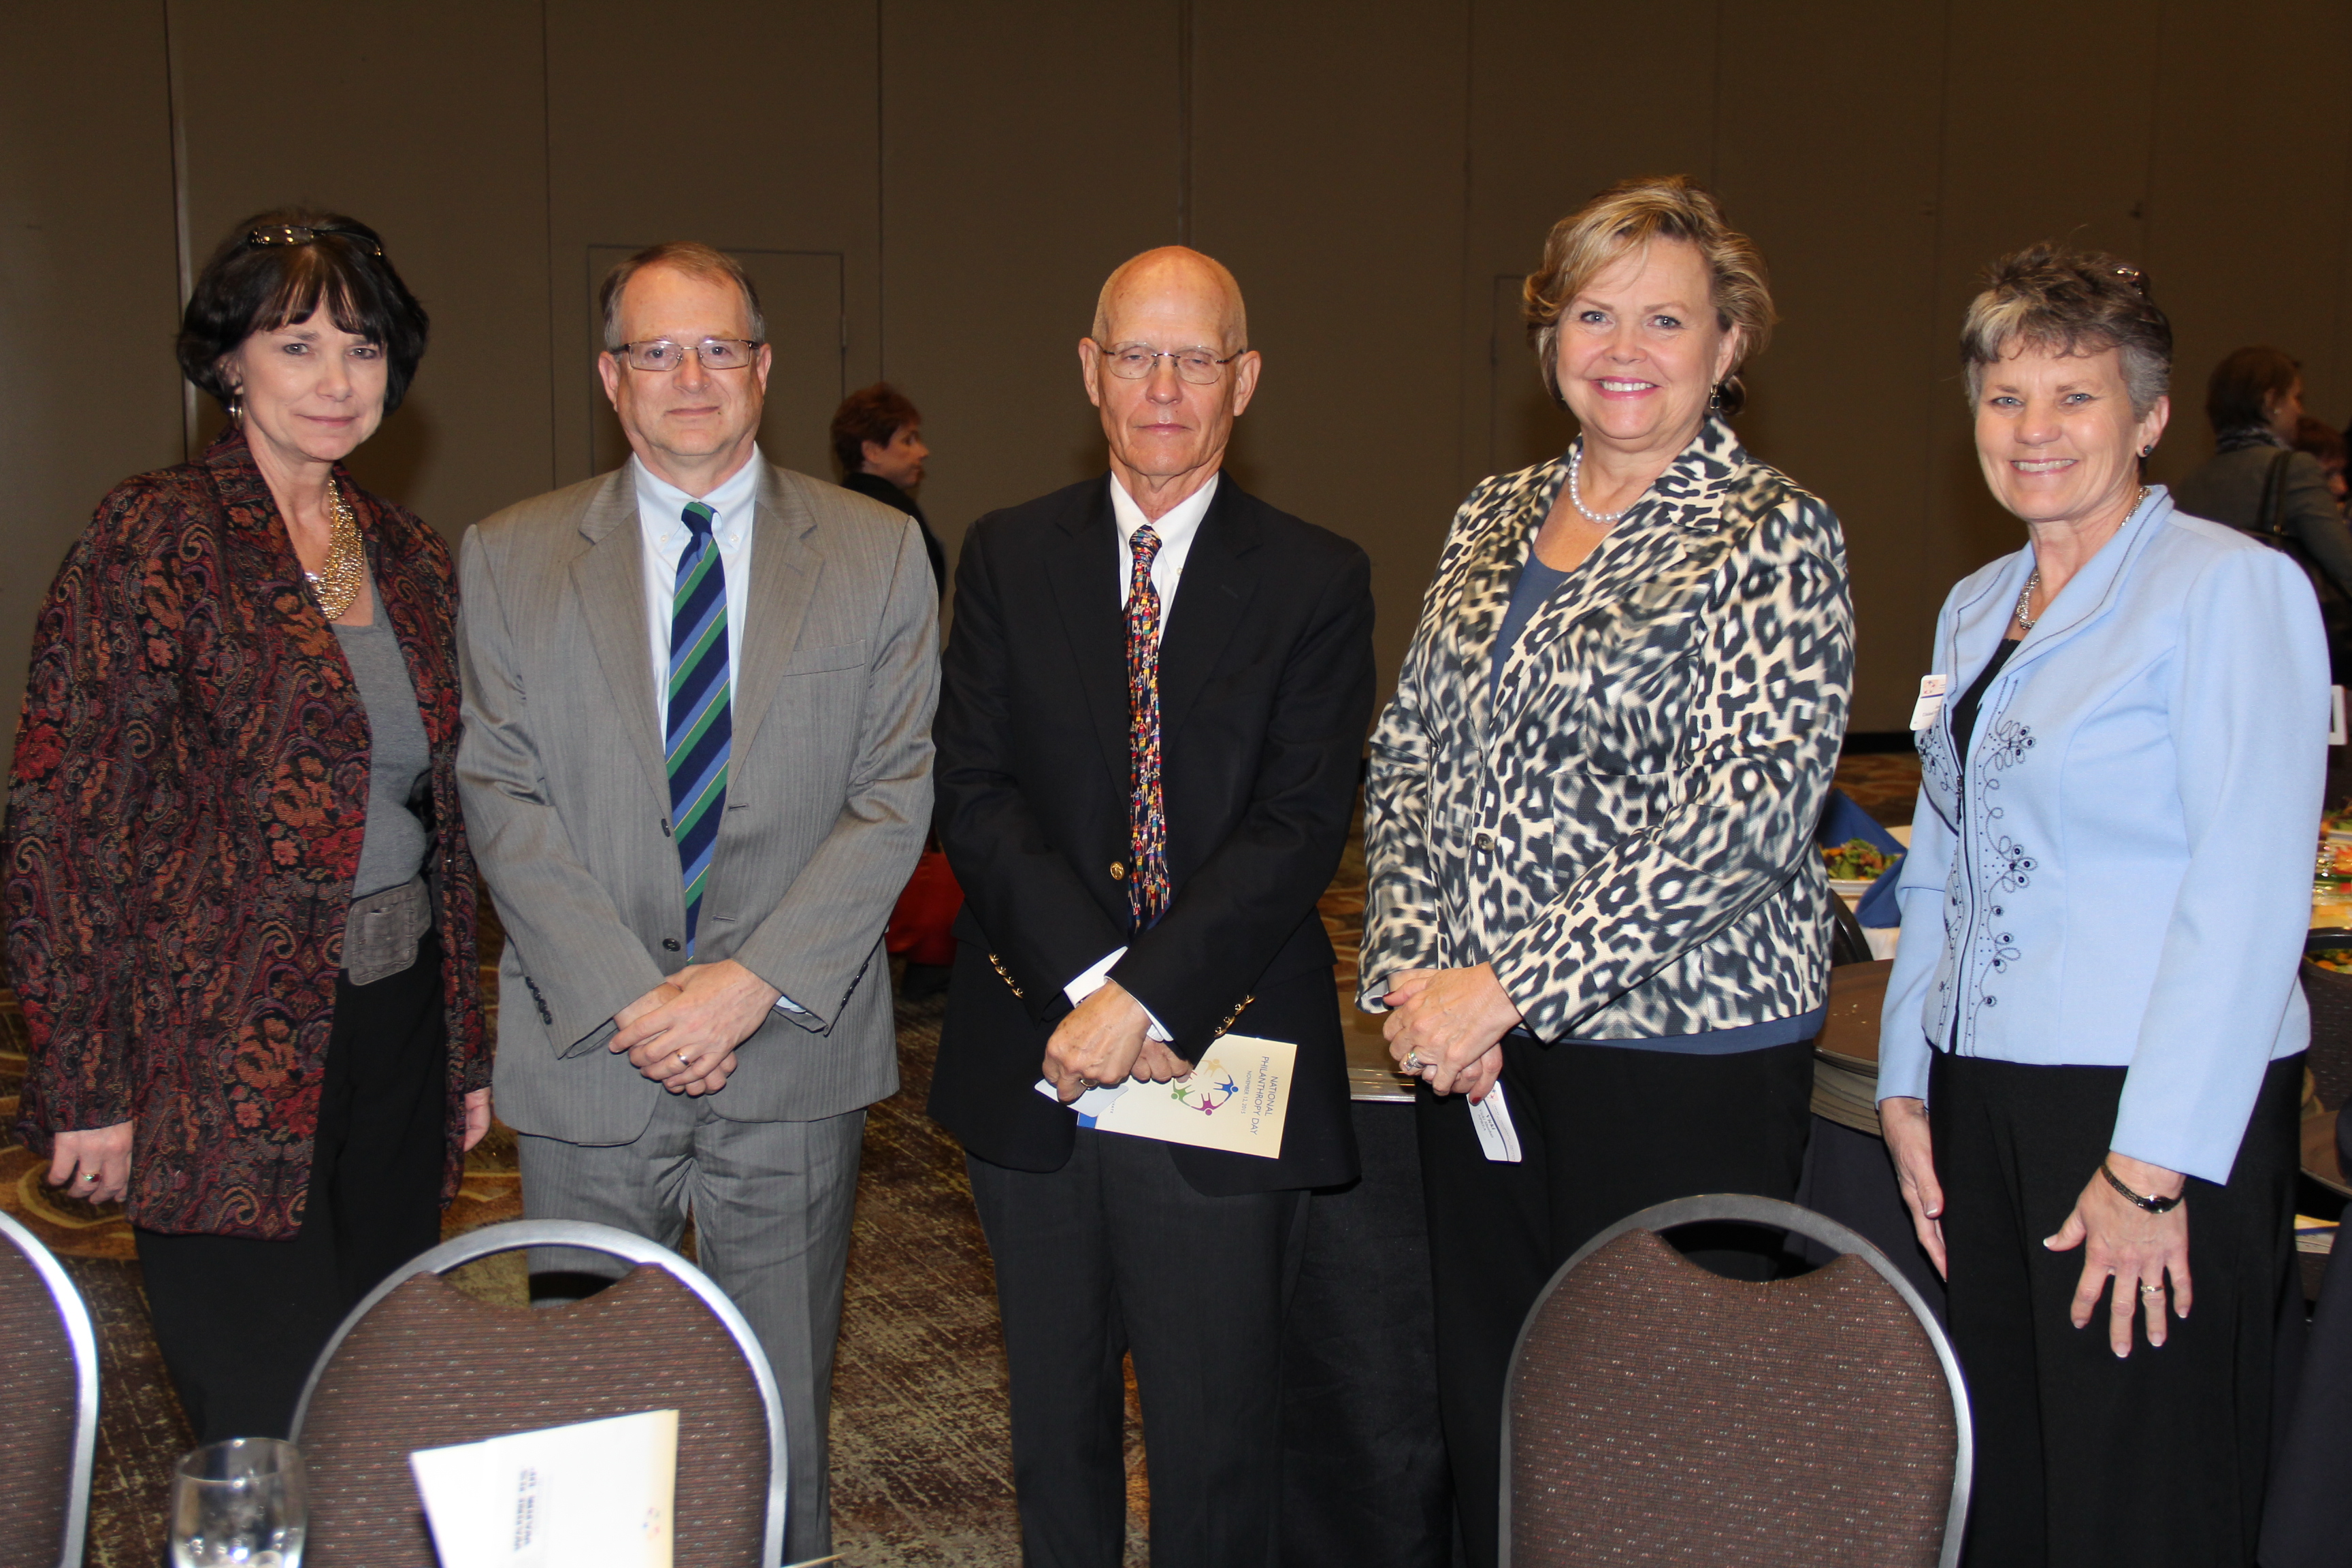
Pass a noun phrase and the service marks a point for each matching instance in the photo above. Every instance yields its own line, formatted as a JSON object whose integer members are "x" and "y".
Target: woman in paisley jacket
{"x": 2091, "y": 1053}
{"x": 239, "y": 904}
{"x": 1593, "y": 895}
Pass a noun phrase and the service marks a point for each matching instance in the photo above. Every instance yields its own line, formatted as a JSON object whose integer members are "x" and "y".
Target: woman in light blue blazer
{"x": 2092, "y": 1050}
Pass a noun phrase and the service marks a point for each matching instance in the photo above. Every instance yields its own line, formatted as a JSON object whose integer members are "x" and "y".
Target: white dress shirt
{"x": 1176, "y": 529}
{"x": 660, "y": 508}
{"x": 661, "y": 527}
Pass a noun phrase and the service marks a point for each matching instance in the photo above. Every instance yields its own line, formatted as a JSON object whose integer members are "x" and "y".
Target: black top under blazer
{"x": 1266, "y": 688}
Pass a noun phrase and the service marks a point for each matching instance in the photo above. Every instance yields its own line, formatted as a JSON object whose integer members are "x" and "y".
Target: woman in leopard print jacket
{"x": 1594, "y": 900}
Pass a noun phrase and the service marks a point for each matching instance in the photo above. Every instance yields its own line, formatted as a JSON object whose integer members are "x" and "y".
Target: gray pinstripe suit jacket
{"x": 567, "y": 798}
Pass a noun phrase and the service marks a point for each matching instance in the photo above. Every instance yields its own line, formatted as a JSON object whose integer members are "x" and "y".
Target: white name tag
{"x": 1930, "y": 705}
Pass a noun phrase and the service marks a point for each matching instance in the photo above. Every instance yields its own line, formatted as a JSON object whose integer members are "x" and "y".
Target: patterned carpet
{"x": 921, "y": 1450}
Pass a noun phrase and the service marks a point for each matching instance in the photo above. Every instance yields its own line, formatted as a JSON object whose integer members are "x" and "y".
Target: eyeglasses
{"x": 296, "y": 234}
{"x": 716, "y": 353}
{"x": 1133, "y": 362}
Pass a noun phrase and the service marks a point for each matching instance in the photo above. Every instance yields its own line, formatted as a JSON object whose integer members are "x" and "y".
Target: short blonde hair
{"x": 2067, "y": 301}
{"x": 1633, "y": 213}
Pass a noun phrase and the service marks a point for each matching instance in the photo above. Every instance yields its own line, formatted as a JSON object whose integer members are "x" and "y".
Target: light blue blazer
{"x": 2124, "y": 880}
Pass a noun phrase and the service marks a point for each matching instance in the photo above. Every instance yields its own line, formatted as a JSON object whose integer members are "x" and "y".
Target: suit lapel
{"x": 785, "y": 564}
{"x": 1210, "y": 600}
{"x": 1085, "y": 576}
{"x": 610, "y": 578}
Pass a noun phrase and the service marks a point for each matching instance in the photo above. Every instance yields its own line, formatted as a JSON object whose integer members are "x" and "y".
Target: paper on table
{"x": 1491, "y": 1119}
{"x": 596, "y": 1491}
{"x": 1235, "y": 1100}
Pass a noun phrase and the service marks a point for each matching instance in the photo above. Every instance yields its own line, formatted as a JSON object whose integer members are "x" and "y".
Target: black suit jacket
{"x": 876, "y": 487}
{"x": 1265, "y": 690}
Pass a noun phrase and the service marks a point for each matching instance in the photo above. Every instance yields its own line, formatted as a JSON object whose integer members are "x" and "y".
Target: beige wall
{"x": 931, "y": 191}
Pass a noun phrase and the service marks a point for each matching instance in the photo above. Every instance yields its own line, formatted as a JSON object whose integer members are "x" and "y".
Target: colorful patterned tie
{"x": 1147, "y": 813}
{"x": 700, "y": 731}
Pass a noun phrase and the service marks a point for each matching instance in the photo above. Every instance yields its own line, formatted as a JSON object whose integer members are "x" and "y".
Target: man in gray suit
{"x": 696, "y": 772}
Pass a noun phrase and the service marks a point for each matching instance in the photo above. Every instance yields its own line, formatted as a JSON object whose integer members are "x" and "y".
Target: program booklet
{"x": 1235, "y": 1099}
{"x": 596, "y": 1491}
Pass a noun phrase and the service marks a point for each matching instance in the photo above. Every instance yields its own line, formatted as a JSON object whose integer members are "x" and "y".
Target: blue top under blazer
{"x": 2124, "y": 880}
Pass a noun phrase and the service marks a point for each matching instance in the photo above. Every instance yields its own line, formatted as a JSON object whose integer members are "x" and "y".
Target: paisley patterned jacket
{"x": 1626, "y": 832}
{"x": 185, "y": 812}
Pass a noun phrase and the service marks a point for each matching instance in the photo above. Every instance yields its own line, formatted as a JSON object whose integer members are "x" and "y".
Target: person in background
{"x": 1589, "y": 823}
{"x": 878, "y": 440}
{"x": 2323, "y": 441}
{"x": 239, "y": 902}
{"x": 2259, "y": 482}
{"x": 2091, "y": 1050}
{"x": 697, "y": 753}
{"x": 1143, "y": 830}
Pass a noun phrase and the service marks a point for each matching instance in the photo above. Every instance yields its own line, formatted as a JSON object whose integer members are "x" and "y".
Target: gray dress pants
{"x": 771, "y": 1203}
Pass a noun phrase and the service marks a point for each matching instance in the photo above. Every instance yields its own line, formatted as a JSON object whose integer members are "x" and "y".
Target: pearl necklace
{"x": 2033, "y": 579}
{"x": 1576, "y": 496}
{"x": 337, "y": 582}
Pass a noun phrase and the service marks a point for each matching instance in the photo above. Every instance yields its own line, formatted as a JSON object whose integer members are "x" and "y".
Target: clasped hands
{"x": 1445, "y": 1027}
{"x": 683, "y": 1033}
{"x": 1105, "y": 1040}
{"x": 2146, "y": 1255}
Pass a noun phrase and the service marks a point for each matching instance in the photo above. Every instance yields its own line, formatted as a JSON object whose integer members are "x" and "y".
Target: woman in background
{"x": 2092, "y": 1044}
{"x": 1588, "y": 825}
{"x": 241, "y": 907}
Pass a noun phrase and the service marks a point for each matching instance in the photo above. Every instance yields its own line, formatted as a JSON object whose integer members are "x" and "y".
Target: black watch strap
{"x": 2153, "y": 1206}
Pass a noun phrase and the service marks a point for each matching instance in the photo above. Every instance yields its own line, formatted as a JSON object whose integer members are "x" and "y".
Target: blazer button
{"x": 669, "y": 944}
{"x": 1117, "y": 872}
{"x": 1484, "y": 841}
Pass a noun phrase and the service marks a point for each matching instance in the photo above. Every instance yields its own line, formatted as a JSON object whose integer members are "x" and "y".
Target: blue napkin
{"x": 1843, "y": 820}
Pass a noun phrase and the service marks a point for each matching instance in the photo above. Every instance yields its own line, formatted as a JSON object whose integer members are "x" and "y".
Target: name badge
{"x": 1930, "y": 705}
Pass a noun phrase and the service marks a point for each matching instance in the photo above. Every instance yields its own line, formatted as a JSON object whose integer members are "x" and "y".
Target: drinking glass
{"x": 240, "y": 1504}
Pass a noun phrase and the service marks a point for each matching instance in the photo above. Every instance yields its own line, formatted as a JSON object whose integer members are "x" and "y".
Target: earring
{"x": 234, "y": 406}
{"x": 2144, "y": 451}
{"x": 1715, "y": 401}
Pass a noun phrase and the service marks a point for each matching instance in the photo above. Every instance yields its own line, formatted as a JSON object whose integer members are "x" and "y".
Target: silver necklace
{"x": 1576, "y": 497}
{"x": 2033, "y": 579}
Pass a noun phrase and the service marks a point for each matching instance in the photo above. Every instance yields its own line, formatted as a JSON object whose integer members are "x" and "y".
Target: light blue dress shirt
{"x": 2124, "y": 877}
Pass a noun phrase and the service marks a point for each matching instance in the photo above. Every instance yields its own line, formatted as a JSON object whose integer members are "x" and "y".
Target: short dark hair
{"x": 691, "y": 256}
{"x": 2066, "y": 302}
{"x": 876, "y": 414}
{"x": 278, "y": 267}
{"x": 2244, "y": 385}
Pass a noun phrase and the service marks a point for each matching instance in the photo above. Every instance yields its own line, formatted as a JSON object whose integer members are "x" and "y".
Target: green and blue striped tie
{"x": 700, "y": 731}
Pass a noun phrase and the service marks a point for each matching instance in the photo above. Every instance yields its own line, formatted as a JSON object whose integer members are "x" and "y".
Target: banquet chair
{"x": 48, "y": 1386}
{"x": 1658, "y": 1413}
{"x": 2330, "y": 1061}
{"x": 421, "y": 1364}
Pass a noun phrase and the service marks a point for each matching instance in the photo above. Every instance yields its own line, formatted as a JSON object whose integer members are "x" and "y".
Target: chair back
{"x": 1656, "y": 1412}
{"x": 420, "y": 1364}
{"x": 48, "y": 1388}
{"x": 2330, "y": 1061}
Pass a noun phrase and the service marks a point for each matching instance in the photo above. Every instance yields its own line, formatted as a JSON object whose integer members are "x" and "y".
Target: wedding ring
{"x": 1413, "y": 1062}
{"x": 90, "y": 1175}
{"x": 683, "y": 1060}
{"x": 2157, "y": 1289}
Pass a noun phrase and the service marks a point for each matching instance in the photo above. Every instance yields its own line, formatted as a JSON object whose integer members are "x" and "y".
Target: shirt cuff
{"x": 1097, "y": 974}
{"x": 786, "y": 1004}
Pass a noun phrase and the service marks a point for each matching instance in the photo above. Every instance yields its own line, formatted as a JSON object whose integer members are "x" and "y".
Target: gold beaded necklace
{"x": 339, "y": 577}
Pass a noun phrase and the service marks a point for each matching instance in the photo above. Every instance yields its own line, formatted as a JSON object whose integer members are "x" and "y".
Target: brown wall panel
{"x": 1027, "y": 151}
{"x": 1842, "y": 399}
{"x": 88, "y": 288}
{"x": 423, "y": 119}
{"x": 646, "y": 147}
{"x": 1328, "y": 165}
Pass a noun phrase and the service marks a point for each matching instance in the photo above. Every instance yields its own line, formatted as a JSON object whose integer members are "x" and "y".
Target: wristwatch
{"x": 2153, "y": 1206}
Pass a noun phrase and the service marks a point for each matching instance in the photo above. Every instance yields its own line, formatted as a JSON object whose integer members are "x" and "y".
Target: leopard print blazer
{"x": 1625, "y": 830}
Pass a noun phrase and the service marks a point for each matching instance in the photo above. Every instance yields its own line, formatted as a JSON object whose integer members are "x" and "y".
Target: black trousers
{"x": 240, "y": 1320}
{"x": 1605, "y": 1132}
{"x": 1117, "y": 1253}
{"x": 2154, "y": 1461}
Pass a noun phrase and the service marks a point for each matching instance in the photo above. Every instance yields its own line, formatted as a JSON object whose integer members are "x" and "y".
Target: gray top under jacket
{"x": 393, "y": 850}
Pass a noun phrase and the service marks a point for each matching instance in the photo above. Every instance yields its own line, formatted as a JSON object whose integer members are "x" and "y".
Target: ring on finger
{"x": 90, "y": 1175}
{"x": 2155, "y": 1288}
{"x": 1413, "y": 1062}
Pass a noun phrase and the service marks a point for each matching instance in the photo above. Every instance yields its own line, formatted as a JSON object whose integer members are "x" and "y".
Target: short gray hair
{"x": 687, "y": 256}
{"x": 2067, "y": 301}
